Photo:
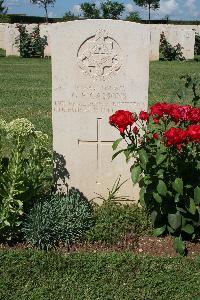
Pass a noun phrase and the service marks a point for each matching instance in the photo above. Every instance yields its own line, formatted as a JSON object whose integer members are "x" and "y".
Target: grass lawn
{"x": 25, "y": 91}
{"x": 25, "y": 87}
{"x": 36, "y": 275}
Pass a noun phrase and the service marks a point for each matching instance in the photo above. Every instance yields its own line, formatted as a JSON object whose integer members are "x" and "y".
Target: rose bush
{"x": 164, "y": 145}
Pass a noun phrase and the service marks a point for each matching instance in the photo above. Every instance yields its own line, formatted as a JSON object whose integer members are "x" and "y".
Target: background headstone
{"x": 185, "y": 37}
{"x": 11, "y": 33}
{"x": 155, "y": 33}
{"x": 98, "y": 67}
{"x": 44, "y": 31}
{"x": 2, "y": 35}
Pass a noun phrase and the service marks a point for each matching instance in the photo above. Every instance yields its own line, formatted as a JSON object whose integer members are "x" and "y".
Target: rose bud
{"x": 155, "y": 136}
{"x": 135, "y": 130}
{"x": 144, "y": 116}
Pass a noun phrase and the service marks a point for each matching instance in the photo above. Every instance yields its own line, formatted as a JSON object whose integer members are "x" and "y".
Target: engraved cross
{"x": 98, "y": 142}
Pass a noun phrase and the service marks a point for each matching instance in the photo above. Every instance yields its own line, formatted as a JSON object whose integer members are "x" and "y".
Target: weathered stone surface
{"x": 99, "y": 66}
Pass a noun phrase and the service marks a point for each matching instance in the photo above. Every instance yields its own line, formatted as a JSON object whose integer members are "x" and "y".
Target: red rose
{"x": 135, "y": 130}
{"x": 155, "y": 136}
{"x": 193, "y": 132}
{"x": 174, "y": 113}
{"x": 175, "y": 136}
{"x": 157, "y": 109}
{"x": 121, "y": 119}
{"x": 194, "y": 115}
{"x": 160, "y": 109}
{"x": 144, "y": 116}
{"x": 185, "y": 112}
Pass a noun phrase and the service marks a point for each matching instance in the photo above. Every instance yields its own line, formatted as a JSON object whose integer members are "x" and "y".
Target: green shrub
{"x": 164, "y": 146}
{"x": 58, "y": 219}
{"x": 24, "y": 160}
{"x": 168, "y": 52}
{"x": 197, "y": 44}
{"x": 114, "y": 221}
{"x": 30, "y": 44}
{"x": 2, "y": 52}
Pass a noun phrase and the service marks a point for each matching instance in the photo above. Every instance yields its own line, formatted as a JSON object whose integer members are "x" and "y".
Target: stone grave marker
{"x": 98, "y": 67}
{"x": 185, "y": 37}
{"x": 155, "y": 33}
{"x": 2, "y": 35}
{"x": 11, "y": 33}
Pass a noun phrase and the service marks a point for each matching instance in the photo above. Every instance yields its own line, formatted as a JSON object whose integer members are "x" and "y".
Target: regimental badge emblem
{"x": 100, "y": 56}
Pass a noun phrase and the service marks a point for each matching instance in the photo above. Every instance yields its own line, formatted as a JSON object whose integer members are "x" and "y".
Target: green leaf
{"x": 192, "y": 207}
{"x": 154, "y": 216}
{"x": 160, "y": 158}
{"x": 162, "y": 188}
{"x": 143, "y": 156}
{"x": 171, "y": 230}
{"x": 135, "y": 174}
{"x": 177, "y": 198}
{"x": 159, "y": 231}
{"x": 174, "y": 220}
{"x": 7, "y": 223}
{"x": 197, "y": 195}
{"x": 20, "y": 203}
{"x": 178, "y": 185}
{"x": 179, "y": 245}
{"x": 127, "y": 154}
{"x": 188, "y": 229}
{"x": 116, "y": 143}
{"x": 118, "y": 152}
{"x": 157, "y": 198}
{"x": 142, "y": 193}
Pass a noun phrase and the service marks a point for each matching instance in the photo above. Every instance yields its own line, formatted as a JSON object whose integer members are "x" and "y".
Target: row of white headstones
{"x": 182, "y": 34}
{"x": 98, "y": 67}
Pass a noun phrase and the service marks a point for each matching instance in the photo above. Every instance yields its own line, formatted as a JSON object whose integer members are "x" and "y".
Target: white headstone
{"x": 2, "y": 35}
{"x": 11, "y": 33}
{"x": 44, "y": 31}
{"x": 99, "y": 67}
{"x": 155, "y": 33}
{"x": 185, "y": 37}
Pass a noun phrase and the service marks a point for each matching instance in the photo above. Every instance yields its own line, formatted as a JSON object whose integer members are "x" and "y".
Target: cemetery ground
{"x": 87, "y": 273}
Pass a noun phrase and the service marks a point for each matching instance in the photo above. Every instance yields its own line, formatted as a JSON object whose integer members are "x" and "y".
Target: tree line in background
{"x": 91, "y": 10}
{"x": 106, "y": 10}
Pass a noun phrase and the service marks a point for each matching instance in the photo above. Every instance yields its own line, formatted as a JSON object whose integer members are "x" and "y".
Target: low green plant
{"x": 115, "y": 221}
{"x": 169, "y": 52}
{"x": 30, "y": 44}
{"x": 190, "y": 83}
{"x": 113, "y": 192}
{"x": 58, "y": 219}
{"x": 24, "y": 160}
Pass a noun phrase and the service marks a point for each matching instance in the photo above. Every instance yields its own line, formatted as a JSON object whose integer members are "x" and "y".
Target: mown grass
{"x": 25, "y": 87}
{"x": 36, "y": 275}
{"x": 25, "y": 91}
